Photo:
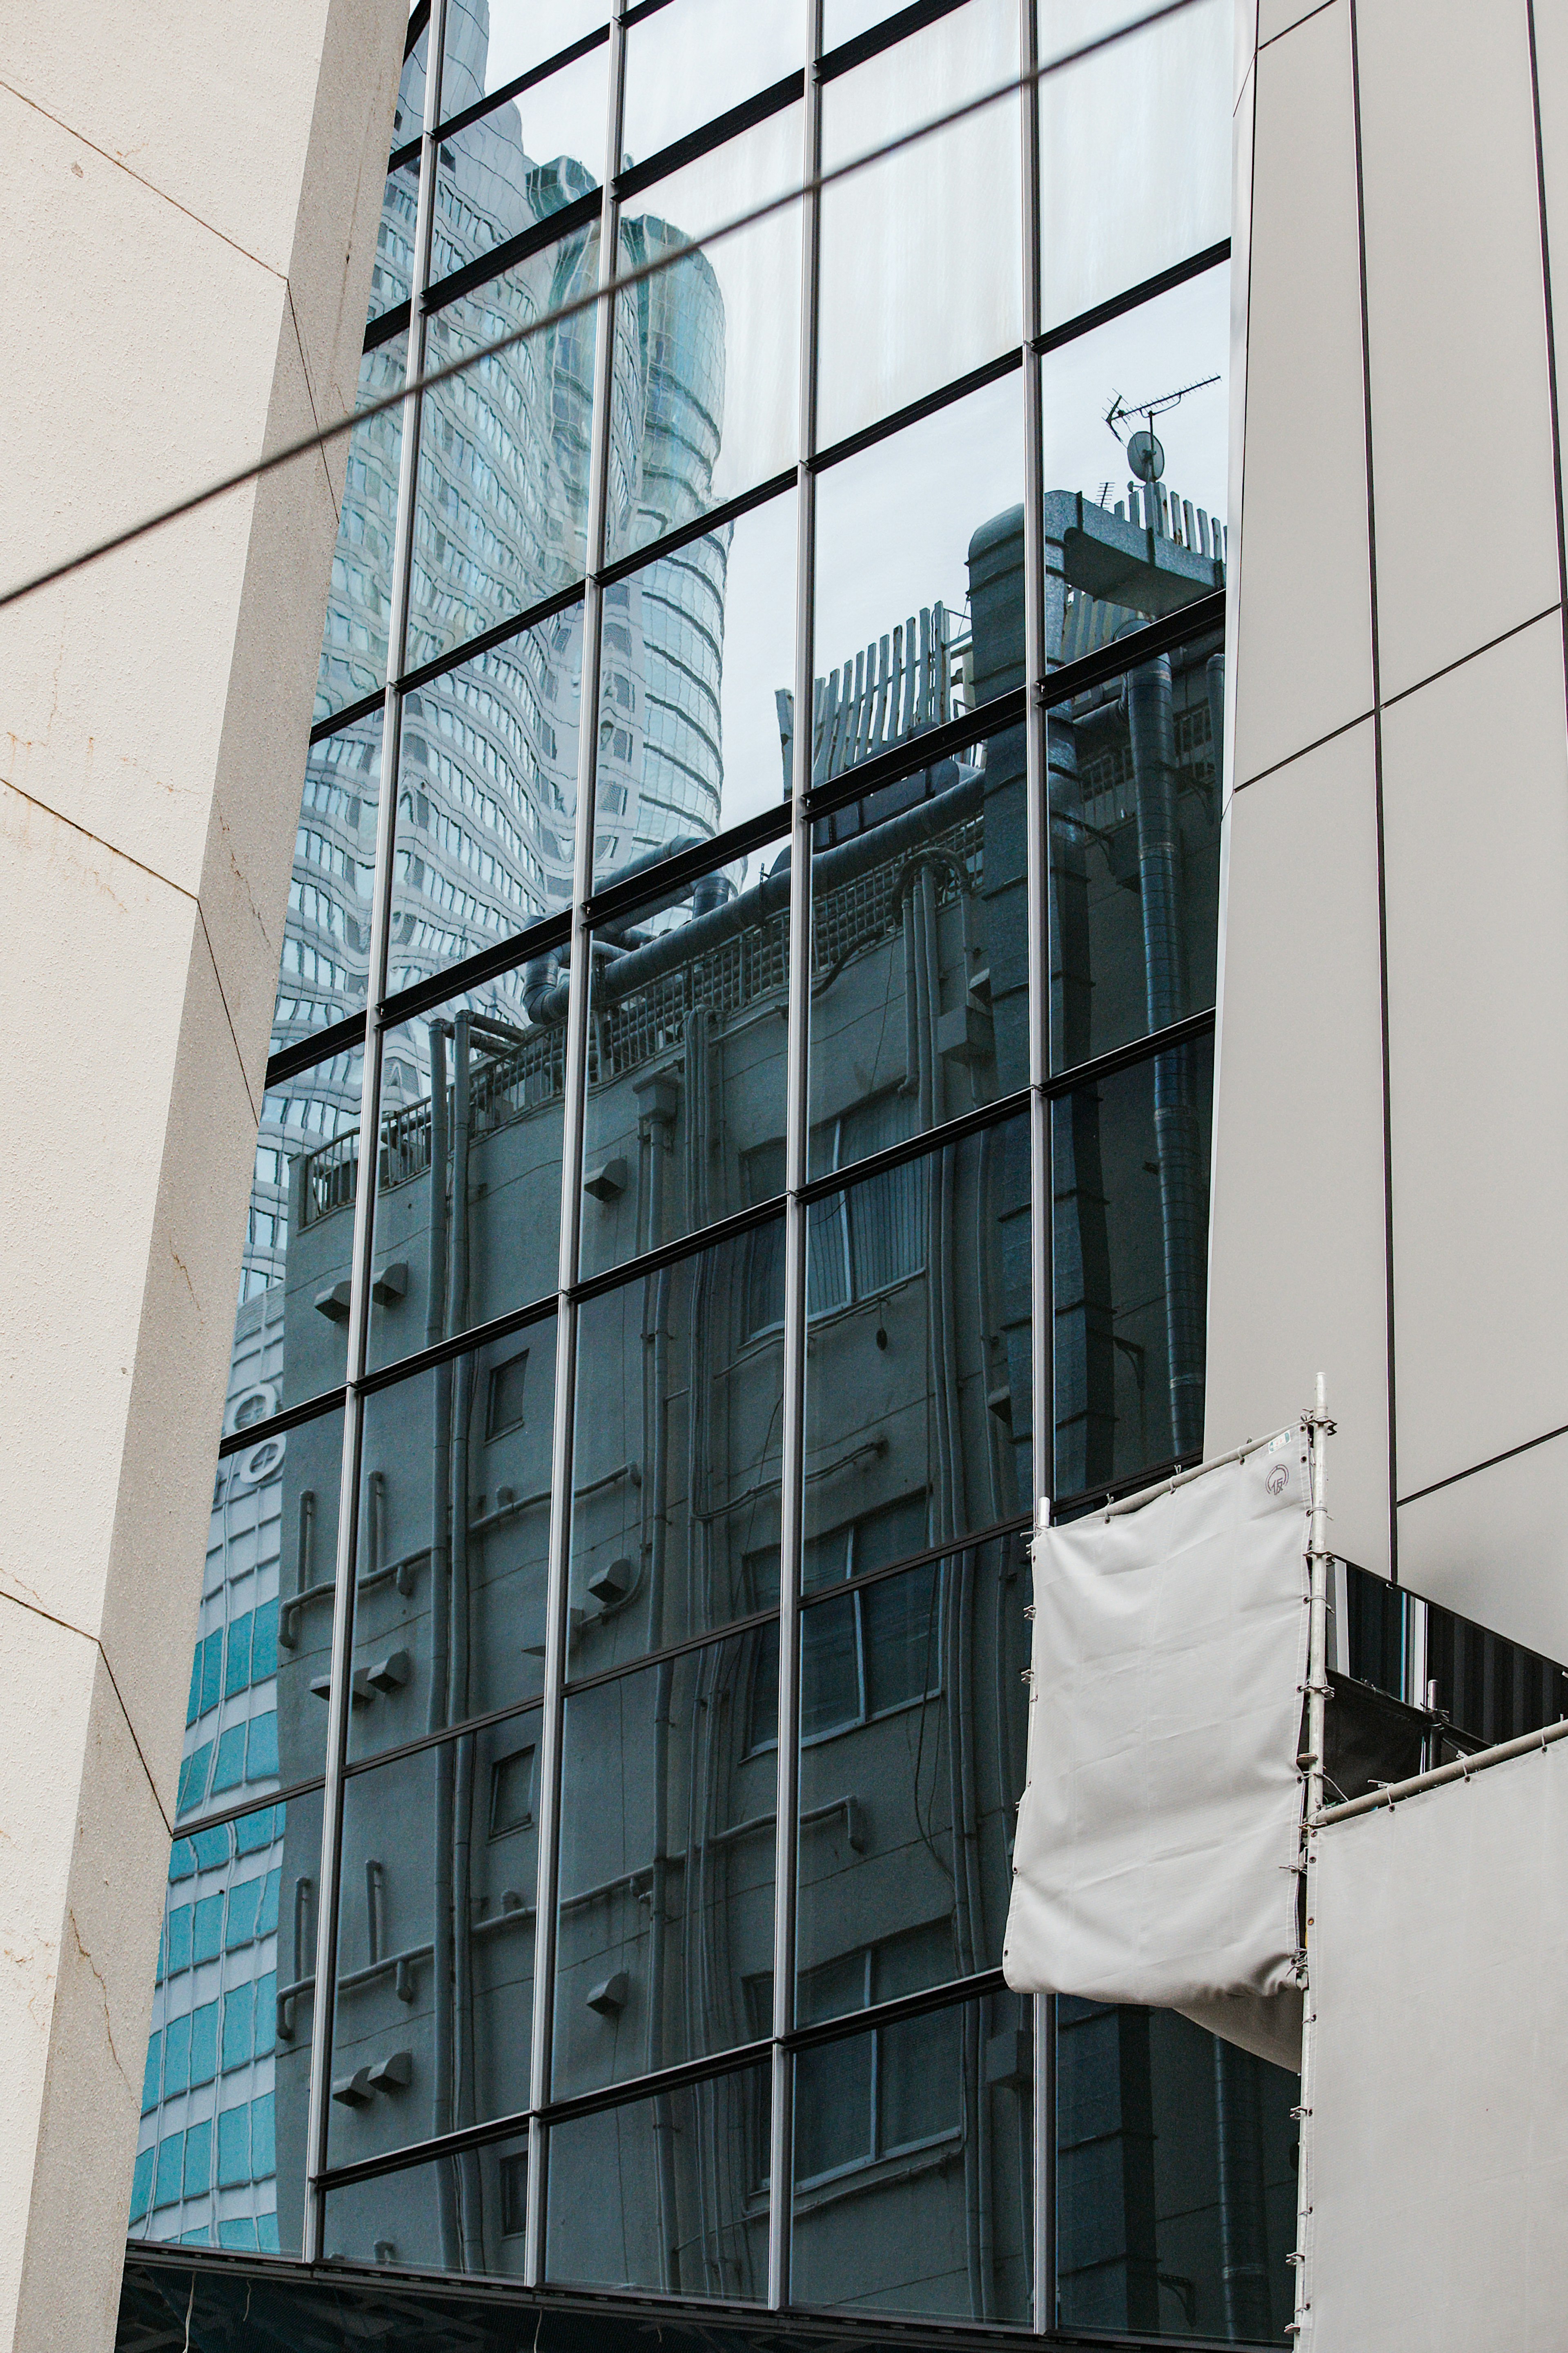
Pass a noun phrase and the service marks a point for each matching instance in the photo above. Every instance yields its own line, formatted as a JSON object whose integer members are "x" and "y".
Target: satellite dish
{"x": 1145, "y": 456}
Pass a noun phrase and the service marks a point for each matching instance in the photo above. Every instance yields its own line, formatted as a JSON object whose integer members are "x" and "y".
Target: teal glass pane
{"x": 176, "y": 2055}
{"x": 263, "y": 2149}
{"x": 198, "y": 2160}
{"x": 266, "y": 2013}
{"x": 177, "y": 1941}
{"x": 261, "y": 1749}
{"x": 203, "y": 2043}
{"x": 237, "y": 2231}
{"x": 238, "y": 2026}
{"x": 212, "y": 1667}
{"x": 233, "y": 2147}
{"x": 229, "y": 1770}
{"x": 243, "y": 1902}
{"x": 151, "y": 2073}
{"x": 167, "y": 2186}
{"x": 237, "y": 1673}
{"x": 207, "y": 1929}
{"x": 142, "y": 2185}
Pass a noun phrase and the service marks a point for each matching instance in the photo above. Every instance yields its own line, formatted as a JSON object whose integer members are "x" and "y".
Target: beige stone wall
{"x": 1391, "y": 1170}
{"x": 191, "y": 197}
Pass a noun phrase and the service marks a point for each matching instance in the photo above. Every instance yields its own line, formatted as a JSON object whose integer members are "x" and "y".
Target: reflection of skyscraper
{"x": 487, "y": 794}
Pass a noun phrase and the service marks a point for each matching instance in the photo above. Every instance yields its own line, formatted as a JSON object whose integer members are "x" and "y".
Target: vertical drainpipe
{"x": 459, "y": 1703}
{"x": 1152, "y": 727}
{"x": 437, "y": 1326}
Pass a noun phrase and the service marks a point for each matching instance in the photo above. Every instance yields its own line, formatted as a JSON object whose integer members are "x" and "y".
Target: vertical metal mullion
{"x": 1041, "y": 1187}
{"x": 796, "y": 1152}
{"x": 574, "y": 1082}
{"x": 363, "y": 1242}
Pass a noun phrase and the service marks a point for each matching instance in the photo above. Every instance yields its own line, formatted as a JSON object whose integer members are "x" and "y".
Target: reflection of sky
{"x": 696, "y": 58}
{"x": 759, "y": 637}
{"x": 568, "y": 114}
{"x": 523, "y": 33}
{"x": 1173, "y": 340}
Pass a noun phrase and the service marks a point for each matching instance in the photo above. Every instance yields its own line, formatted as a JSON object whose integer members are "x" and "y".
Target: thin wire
{"x": 291, "y": 450}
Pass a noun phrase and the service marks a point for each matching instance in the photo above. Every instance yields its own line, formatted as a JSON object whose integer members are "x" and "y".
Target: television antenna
{"x": 1144, "y": 453}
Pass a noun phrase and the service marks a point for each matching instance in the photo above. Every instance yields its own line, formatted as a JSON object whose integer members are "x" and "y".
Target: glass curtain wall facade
{"x": 756, "y": 884}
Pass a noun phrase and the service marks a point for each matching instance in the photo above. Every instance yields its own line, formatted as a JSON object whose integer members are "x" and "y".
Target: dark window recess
{"x": 512, "y": 1792}
{"x": 504, "y": 1408}
{"x": 514, "y": 2195}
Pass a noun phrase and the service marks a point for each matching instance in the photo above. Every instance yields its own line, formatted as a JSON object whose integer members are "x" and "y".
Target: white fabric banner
{"x": 1161, "y": 1816}
{"x": 1437, "y": 2145}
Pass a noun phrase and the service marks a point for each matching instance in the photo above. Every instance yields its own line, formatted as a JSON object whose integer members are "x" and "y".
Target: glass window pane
{"x": 920, "y": 952}
{"x": 696, "y": 649}
{"x": 322, "y": 974}
{"x": 467, "y": 1217}
{"x": 466, "y": 2213}
{"x": 486, "y": 796}
{"x": 489, "y": 46}
{"x": 359, "y": 601}
{"x": 439, "y": 1862}
{"x": 912, "y": 1702}
{"x": 667, "y": 1865}
{"x": 906, "y": 530}
{"x": 917, "y": 1377}
{"x": 454, "y": 1536}
{"x": 843, "y": 19}
{"x": 685, "y": 1071}
{"x": 502, "y": 509}
{"x": 222, "y": 2138}
{"x": 676, "y": 1466}
{"x": 528, "y": 157}
{"x": 408, "y": 116}
{"x": 921, "y": 270}
{"x": 274, "y": 1519}
{"x": 1152, "y": 2115}
{"x": 1135, "y": 802}
{"x": 693, "y": 60}
{"x": 706, "y": 393}
{"x": 392, "y": 274}
{"x": 1131, "y": 1182}
{"x": 888, "y": 2126}
{"x": 668, "y": 2194}
{"x": 1159, "y": 102}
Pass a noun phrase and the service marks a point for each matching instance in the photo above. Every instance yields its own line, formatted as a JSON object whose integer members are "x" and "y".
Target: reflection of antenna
{"x": 1144, "y": 455}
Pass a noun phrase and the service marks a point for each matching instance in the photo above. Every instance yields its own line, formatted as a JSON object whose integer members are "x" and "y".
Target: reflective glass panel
{"x": 486, "y": 796}
{"x": 308, "y": 1126}
{"x": 464, "y": 2213}
{"x": 502, "y": 507}
{"x": 1175, "y": 2179}
{"x": 408, "y": 116}
{"x": 491, "y": 42}
{"x": 686, "y": 1072}
{"x": 917, "y": 1377}
{"x": 843, "y": 19}
{"x": 528, "y": 157}
{"x": 1135, "y": 424}
{"x": 266, "y": 1625}
{"x": 1132, "y": 1183}
{"x": 453, "y": 1541}
{"x": 435, "y": 1989}
{"x": 359, "y": 601}
{"x": 695, "y": 60}
{"x": 676, "y": 1462}
{"x": 392, "y": 276}
{"x": 696, "y": 647}
{"x": 1135, "y": 801}
{"x": 888, "y": 2130}
{"x": 668, "y": 2194}
{"x": 221, "y": 2149}
{"x": 324, "y": 974}
{"x": 921, "y": 271}
{"x": 467, "y": 1214}
{"x": 705, "y": 391}
{"x": 669, "y": 1787}
{"x": 913, "y": 1713}
{"x": 906, "y": 540}
{"x": 1134, "y": 150}
{"x": 920, "y": 949}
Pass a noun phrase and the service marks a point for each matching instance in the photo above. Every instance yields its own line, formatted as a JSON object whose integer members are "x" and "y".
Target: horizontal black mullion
{"x": 584, "y": 214}
{"x": 1018, "y": 1525}
{"x": 460, "y": 1344}
{"x": 687, "y": 865}
{"x": 400, "y": 156}
{"x": 1147, "y": 1048}
{"x": 418, "y": 21}
{"x": 528, "y": 80}
{"x": 187, "y": 1827}
{"x": 291, "y": 1417}
{"x": 892, "y": 2013}
{"x": 533, "y": 616}
{"x": 696, "y": 143}
{"x": 725, "y": 1229}
{"x": 701, "y": 526}
{"x": 917, "y": 751}
{"x": 387, "y": 325}
{"x": 344, "y": 1037}
{"x": 455, "y": 980}
{"x": 931, "y": 1141}
{"x": 930, "y": 403}
{"x": 348, "y": 716}
{"x": 682, "y": 1650}
{"x": 1117, "y": 305}
{"x": 1205, "y": 615}
{"x": 356, "y": 1767}
{"x": 885, "y": 35}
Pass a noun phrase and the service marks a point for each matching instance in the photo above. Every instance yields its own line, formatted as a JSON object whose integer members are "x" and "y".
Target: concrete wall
{"x": 1392, "y": 1110}
{"x": 192, "y": 199}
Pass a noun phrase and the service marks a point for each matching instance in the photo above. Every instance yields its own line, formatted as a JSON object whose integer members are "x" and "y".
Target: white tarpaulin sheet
{"x": 1161, "y": 1817}
{"x": 1437, "y": 2145}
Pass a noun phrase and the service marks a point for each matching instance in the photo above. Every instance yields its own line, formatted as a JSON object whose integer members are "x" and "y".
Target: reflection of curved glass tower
{"x": 486, "y": 797}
